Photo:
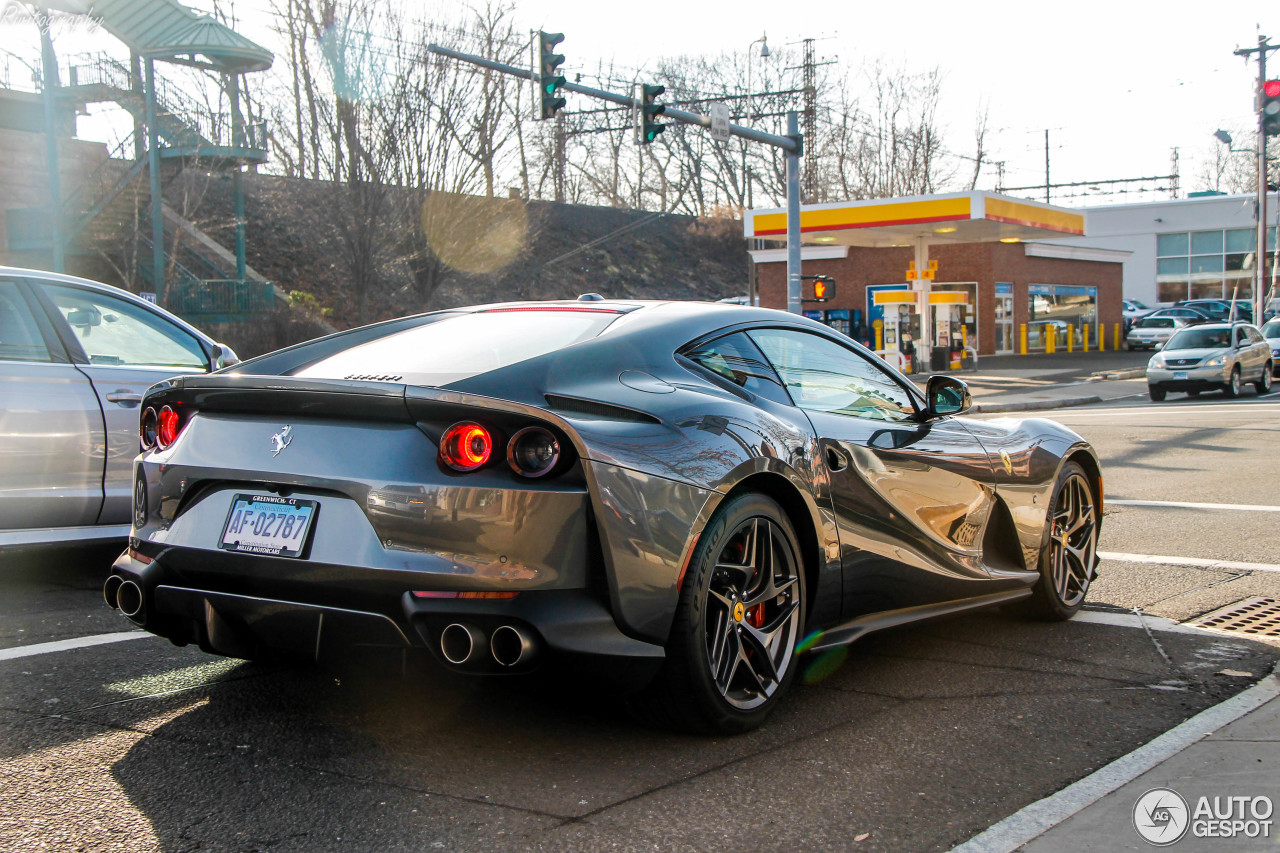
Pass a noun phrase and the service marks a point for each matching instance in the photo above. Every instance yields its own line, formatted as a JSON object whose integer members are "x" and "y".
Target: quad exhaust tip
{"x": 511, "y": 646}
{"x": 460, "y": 642}
{"x": 110, "y": 589}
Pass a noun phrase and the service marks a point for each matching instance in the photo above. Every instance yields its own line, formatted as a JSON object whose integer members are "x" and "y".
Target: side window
{"x": 824, "y": 376}
{"x": 1255, "y": 337}
{"x": 1242, "y": 337}
{"x": 20, "y": 338}
{"x": 113, "y": 331}
{"x": 735, "y": 358}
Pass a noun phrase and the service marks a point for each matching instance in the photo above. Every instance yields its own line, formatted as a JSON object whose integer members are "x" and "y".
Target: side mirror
{"x": 223, "y": 356}
{"x": 947, "y": 395}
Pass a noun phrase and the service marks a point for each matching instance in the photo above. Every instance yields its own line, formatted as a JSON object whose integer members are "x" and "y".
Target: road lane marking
{"x": 1242, "y": 407}
{"x": 1192, "y": 505}
{"x": 75, "y": 643}
{"x": 1190, "y": 562}
{"x": 1035, "y": 820}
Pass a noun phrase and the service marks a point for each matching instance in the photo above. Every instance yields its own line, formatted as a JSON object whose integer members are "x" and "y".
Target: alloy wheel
{"x": 1073, "y": 540}
{"x": 753, "y": 614}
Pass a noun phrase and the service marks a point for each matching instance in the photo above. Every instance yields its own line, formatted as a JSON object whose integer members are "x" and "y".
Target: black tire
{"x": 1234, "y": 386}
{"x": 728, "y": 608}
{"x": 1157, "y": 394}
{"x": 1131, "y": 347}
{"x": 1066, "y": 569}
{"x": 1264, "y": 381}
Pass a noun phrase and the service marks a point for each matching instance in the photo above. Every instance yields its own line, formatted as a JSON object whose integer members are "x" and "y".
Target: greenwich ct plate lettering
{"x": 267, "y": 524}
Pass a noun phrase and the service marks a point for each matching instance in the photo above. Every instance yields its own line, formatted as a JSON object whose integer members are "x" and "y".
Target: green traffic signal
{"x": 650, "y": 110}
{"x": 549, "y": 78}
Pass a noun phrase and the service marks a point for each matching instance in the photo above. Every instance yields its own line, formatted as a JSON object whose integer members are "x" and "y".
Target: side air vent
{"x": 373, "y": 377}
{"x": 601, "y": 410}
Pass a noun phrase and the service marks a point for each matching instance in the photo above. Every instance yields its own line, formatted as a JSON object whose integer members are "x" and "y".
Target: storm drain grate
{"x": 1259, "y": 617}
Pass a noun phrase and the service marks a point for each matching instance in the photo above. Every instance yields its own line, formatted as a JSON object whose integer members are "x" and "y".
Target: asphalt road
{"x": 911, "y": 740}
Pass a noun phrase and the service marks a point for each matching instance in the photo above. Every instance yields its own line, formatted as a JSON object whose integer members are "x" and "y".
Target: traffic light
{"x": 1269, "y": 107}
{"x": 649, "y": 110}
{"x": 823, "y": 288}
{"x": 549, "y": 77}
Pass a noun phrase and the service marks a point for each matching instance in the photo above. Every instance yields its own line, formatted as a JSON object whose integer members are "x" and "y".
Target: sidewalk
{"x": 1014, "y": 383}
{"x": 1226, "y": 757}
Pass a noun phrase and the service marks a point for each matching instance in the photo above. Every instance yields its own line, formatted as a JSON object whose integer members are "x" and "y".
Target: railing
{"x": 225, "y": 298}
{"x": 212, "y": 126}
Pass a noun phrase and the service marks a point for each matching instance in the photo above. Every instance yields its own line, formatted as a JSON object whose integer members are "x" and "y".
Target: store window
{"x": 1065, "y": 309}
{"x": 1207, "y": 264}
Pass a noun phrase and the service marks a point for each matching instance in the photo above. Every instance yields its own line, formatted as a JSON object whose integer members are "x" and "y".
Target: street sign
{"x": 149, "y": 296}
{"x": 719, "y": 121}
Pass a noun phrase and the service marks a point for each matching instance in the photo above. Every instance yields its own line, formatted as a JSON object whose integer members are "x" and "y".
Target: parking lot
{"x": 910, "y": 740}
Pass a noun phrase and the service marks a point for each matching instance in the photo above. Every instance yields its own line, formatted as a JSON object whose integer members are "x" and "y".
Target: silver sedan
{"x": 75, "y": 359}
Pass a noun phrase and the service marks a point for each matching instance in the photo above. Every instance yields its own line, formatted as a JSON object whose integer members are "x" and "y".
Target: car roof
{"x": 109, "y": 289}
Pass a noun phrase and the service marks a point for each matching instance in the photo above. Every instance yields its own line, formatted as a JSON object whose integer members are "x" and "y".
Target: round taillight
{"x": 167, "y": 427}
{"x": 466, "y": 446}
{"x": 147, "y": 425}
{"x": 532, "y": 452}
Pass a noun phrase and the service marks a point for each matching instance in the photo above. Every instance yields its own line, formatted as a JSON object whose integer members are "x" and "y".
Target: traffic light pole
{"x": 1259, "y": 295}
{"x": 792, "y": 144}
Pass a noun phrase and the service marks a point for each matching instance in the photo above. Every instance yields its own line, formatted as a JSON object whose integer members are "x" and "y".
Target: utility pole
{"x": 1047, "y": 185}
{"x": 810, "y": 122}
{"x": 1261, "y": 204}
{"x": 558, "y": 166}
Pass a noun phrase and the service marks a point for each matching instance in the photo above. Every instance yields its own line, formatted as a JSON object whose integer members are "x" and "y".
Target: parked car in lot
{"x": 686, "y": 497}
{"x": 75, "y": 359}
{"x": 1271, "y": 331}
{"x": 1153, "y": 332}
{"x": 1218, "y": 356}
{"x": 1191, "y": 316}
{"x": 1133, "y": 311}
{"x": 1222, "y": 310}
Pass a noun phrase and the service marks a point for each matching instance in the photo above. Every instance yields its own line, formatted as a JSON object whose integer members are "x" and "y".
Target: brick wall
{"x": 985, "y": 263}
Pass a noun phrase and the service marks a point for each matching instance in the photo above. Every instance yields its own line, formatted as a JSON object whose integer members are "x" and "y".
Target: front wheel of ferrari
{"x": 741, "y": 612}
{"x": 1068, "y": 556}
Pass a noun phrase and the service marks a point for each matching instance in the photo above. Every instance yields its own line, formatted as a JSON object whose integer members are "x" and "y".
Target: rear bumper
{"x": 290, "y": 619}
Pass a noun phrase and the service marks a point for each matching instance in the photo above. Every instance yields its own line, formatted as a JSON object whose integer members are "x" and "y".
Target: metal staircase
{"x": 200, "y": 290}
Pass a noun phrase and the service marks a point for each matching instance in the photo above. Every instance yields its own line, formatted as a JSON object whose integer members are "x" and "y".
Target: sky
{"x": 1117, "y": 84}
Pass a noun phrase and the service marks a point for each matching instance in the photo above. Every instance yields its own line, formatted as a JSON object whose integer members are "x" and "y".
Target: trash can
{"x": 940, "y": 359}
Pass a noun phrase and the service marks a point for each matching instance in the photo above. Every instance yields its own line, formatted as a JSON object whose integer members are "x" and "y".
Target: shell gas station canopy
{"x": 969, "y": 217}
{"x": 919, "y": 222}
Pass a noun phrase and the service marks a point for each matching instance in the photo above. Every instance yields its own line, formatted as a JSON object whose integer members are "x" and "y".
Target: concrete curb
{"x": 988, "y": 408}
{"x": 1131, "y": 373}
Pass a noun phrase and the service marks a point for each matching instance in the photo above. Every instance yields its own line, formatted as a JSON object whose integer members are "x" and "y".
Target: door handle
{"x": 124, "y": 397}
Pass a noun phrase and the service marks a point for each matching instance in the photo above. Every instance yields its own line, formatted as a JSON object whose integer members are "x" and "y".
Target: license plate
{"x": 266, "y": 524}
{"x": 1180, "y": 374}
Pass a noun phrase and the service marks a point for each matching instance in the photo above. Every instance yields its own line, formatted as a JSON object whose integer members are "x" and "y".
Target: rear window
{"x": 464, "y": 346}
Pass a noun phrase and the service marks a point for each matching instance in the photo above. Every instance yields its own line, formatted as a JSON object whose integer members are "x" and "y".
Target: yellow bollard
{"x": 1071, "y": 339}
{"x": 1102, "y": 338}
{"x": 1050, "y": 340}
{"x": 879, "y": 339}
{"x": 1117, "y": 338}
{"x": 1022, "y": 334}
{"x": 964, "y": 336}
{"x": 1086, "y": 337}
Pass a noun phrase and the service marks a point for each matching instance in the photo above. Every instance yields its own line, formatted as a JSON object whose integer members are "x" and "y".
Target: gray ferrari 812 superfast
{"x": 688, "y": 498}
